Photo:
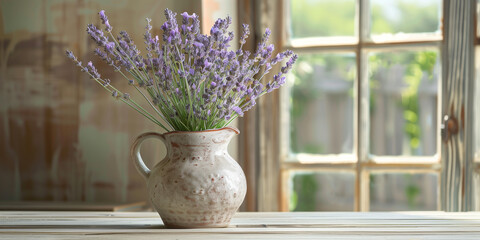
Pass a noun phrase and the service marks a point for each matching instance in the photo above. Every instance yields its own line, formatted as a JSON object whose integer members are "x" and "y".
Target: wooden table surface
{"x": 295, "y": 225}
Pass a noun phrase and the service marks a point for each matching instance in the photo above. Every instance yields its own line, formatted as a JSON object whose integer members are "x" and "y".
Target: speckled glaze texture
{"x": 198, "y": 184}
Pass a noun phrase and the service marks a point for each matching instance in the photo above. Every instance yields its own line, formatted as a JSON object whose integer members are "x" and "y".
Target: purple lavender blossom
{"x": 70, "y": 55}
{"x": 245, "y": 33}
{"x": 92, "y": 70}
{"x": 104, "y": 18}
{"x": 195, "y": 81}
{"x": 238, "y": 110}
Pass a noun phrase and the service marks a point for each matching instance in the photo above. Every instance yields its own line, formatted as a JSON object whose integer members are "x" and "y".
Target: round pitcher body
{"x": 198, "y": 184}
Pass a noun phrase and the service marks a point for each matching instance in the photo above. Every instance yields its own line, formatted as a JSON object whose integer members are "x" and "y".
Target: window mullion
{"x": 361, "y": 112}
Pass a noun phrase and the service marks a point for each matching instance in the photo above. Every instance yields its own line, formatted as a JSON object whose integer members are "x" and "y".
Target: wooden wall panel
{"x": 61, "y": 136}
{"x": 458, "y": 175}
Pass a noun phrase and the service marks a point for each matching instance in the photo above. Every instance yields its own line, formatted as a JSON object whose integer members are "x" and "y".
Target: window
{"x": 364, "y": 104}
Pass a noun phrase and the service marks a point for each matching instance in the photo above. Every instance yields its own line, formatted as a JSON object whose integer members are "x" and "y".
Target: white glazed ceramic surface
{"x": 198, "y": 184}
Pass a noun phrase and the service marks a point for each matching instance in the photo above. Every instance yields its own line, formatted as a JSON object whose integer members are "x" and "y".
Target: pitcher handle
{"x": 135, "y": 152}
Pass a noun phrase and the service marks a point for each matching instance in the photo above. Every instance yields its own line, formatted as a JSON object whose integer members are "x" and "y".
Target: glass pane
{"x": 403, "y": 102}
{"x": 322, "y": 18}
{"x": 476, "y": 102}
{"x": 400, "y": 192}
{"x": 321, "y": 110}
{"x": 476, "y": 190}
{"x": 478, "y": 18}
{"x": 405, "y": 16}
{"x": 322, "y": 191}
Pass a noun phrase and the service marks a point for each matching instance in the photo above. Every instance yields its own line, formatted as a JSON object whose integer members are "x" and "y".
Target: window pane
{"x": 403, "y": 102}
{"x": 322, "y": 18}
{"x": 322, "y": 191}
{"x": 400, "y": 192}
{"x": 476, "y": 102}
{"x": 321, "y": 110}
{"x": 478, "y": 18}
{"x": 405, "y": 16}
{"x": 476, "y": 189}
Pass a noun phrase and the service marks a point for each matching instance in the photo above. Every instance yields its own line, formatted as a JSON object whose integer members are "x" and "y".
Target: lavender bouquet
{"x": 192, "y": 82}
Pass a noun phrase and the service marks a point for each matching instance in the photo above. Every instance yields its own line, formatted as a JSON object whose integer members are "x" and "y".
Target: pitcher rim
{"x": 204, "y": 131}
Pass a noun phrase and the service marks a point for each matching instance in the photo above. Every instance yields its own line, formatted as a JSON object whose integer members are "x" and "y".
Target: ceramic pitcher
{"x": 198, "y": 184}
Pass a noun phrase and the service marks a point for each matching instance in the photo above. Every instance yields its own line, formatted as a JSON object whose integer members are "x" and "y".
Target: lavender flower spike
{"x": 70, "y": 55}
{"x": 104, "y": 18}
